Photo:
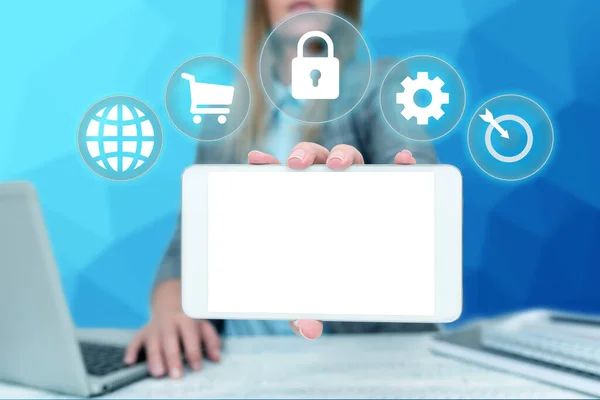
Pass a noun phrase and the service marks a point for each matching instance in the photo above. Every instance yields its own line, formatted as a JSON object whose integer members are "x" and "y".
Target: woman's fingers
{"x": 172, "y": 351}
{"x": 307, "y": 328}
{"x": 342, "y": 156}
{"x": 211, "y": 341}
{"x": 190, "y": 338}
{"x": 305, "y": 154}
{"x": 404, "y": 157}
{"x": 154, "y": 354}
{"x": 256, "y": 157}
{"x": 133, "y": 348}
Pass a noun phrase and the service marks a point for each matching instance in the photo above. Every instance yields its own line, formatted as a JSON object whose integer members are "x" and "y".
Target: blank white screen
{"x": 344, "y": 243}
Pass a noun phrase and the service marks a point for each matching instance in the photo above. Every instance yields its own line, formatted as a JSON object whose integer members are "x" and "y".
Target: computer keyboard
{"x": 103, "y": 359}
{"x": 548, "y": 345}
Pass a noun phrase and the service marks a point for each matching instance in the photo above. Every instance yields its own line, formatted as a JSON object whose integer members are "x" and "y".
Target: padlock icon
{"x": 315, "y": 77}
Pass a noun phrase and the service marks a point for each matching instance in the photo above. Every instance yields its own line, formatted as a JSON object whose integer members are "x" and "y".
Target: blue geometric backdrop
{"x": 532, "y": 243}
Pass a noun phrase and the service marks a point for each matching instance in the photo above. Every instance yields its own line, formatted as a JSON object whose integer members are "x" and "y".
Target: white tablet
{"x": 371, "y": 243}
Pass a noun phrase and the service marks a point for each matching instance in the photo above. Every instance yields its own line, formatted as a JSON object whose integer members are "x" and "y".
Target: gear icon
{"x": 407, "y": 98}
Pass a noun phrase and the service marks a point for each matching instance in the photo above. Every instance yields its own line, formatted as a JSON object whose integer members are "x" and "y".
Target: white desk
{"x": 357, "y": 366}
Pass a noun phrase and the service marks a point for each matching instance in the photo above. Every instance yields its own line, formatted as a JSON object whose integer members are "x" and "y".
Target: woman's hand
{"x": 303, "y": 156}
{"x": 168, "y": 331}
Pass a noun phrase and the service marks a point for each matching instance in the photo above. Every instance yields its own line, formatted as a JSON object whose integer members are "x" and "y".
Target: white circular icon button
{"x": 120, "y": 138}
{"x": 327, "y": 74}
{"x": 422, "y": 98}
{"x": 510, "y": 137}
{"x": 207, "y": 98}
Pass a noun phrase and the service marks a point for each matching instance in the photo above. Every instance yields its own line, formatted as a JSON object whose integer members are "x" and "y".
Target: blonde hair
{"x": 257, "y": 28}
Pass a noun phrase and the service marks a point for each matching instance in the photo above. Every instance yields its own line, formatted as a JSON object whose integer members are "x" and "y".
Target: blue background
{"x": 533, "y": 243}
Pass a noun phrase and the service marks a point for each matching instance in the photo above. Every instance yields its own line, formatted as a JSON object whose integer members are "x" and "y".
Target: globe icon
{"x": 120, "y": 138}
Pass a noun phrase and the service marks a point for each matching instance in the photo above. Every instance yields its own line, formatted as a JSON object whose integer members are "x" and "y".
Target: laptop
{"x": 39, "y": 344}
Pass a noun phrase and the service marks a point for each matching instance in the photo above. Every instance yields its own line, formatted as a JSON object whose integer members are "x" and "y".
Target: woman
{"x": 360, "y": 137}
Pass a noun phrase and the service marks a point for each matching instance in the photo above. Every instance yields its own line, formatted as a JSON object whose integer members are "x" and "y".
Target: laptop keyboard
{"x": 103, "y": 359}
{"x": 548, "y": 345}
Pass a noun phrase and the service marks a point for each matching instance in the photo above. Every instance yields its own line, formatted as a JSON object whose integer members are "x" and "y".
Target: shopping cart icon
{"x": 208, "y": 98}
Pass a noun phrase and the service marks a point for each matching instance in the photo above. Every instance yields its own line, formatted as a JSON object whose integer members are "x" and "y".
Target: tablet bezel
{"x": 448, "y": 243}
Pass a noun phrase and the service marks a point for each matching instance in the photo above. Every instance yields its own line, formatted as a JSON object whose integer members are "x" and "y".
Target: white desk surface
{"x": 354, "y": 366}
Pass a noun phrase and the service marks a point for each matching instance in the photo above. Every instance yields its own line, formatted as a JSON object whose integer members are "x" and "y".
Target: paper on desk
{"x": 359, "y": 366}
{"x": 10, "y": 391}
